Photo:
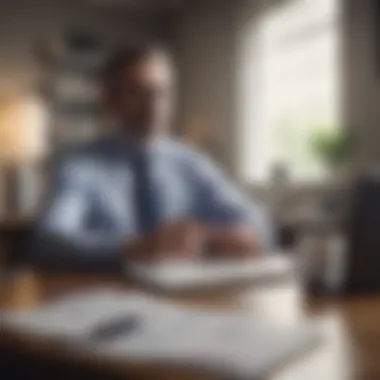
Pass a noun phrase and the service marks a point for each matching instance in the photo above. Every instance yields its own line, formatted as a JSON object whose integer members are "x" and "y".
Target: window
{"x": 289, "y": 88}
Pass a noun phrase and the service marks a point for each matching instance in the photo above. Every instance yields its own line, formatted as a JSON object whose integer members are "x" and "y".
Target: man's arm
{"x": 235, "y": 222}
{"x": 62, "y": 239}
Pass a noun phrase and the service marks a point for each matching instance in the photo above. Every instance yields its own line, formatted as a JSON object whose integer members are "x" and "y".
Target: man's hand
{"x": 234, "y": 240}
{"x": 179, "y": 239}
{"x": 187, "y": 240}
{"x": 175, "y": 239}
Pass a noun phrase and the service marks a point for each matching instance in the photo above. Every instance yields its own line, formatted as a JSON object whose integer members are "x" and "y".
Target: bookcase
{"x": 71, "y": 65}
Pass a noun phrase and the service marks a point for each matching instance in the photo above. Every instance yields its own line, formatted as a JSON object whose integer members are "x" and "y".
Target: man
{"x": 137, "y": 195}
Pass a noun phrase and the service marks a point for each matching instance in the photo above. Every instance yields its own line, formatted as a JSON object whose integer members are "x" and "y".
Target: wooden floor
{"x": 351, "y": 344}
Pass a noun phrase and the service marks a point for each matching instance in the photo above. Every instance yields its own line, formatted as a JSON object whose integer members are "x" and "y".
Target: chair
{"x": 363, "y": 269}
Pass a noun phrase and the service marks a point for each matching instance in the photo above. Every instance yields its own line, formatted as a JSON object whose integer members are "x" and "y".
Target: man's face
{"x": 145, "y": 98}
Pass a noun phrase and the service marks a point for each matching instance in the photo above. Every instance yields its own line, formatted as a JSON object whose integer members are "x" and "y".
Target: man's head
{"x": 139, "y": 89}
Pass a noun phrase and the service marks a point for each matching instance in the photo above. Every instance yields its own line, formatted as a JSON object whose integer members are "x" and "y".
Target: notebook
{"x": 137, "y": 329}
{"x": 182, "y": 275}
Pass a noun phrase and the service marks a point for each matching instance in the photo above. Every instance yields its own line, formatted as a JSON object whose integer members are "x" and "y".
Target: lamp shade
{"x": 23, "y": 130}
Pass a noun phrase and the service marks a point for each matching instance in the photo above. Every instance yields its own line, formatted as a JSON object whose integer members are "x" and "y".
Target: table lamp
{"x": 23, "y": 144}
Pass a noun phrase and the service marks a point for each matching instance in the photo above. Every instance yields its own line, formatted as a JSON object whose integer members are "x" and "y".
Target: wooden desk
{"x": 352, "y": 344}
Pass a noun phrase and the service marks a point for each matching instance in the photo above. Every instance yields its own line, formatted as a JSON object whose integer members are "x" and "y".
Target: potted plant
{"x": 334, "y": 148}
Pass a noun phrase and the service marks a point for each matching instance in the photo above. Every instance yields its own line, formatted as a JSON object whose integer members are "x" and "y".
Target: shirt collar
{"x": 126, "y": 146}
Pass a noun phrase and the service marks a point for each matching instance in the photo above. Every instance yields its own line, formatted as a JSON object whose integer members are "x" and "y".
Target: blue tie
{"x": 145, "y": 197}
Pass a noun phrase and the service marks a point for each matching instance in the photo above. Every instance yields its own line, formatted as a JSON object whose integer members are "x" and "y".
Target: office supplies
{"x": 111, "y": 329}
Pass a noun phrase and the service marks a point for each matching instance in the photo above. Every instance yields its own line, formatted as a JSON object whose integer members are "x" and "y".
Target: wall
{"x": 361, "y": 79}
{"x": 203, "y": 40}
{"x": 208, "y": 39}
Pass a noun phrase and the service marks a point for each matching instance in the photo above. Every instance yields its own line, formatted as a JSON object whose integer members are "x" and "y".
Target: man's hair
{"x": 127, "y": 57}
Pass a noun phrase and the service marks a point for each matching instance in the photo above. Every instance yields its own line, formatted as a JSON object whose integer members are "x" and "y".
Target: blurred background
{"x": 283, "y": 93}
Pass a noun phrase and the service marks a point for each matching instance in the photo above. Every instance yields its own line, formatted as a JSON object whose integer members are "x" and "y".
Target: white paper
{"x": 74, "y": 316}
{"x": 235, "y": 343}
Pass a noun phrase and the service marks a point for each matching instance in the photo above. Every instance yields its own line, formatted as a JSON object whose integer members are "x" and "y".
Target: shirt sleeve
{"x": 220, "y": 202}
{"x": 62, "y": 238}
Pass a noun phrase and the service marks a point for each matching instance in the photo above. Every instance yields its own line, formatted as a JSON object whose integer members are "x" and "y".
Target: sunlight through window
{"x": 290, "y": 89}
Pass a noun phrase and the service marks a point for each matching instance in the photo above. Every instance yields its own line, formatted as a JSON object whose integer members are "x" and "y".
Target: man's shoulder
{"x": 83, "y": 159}
{"x": 182, "y": 152}
{"x": 105, "y": 150}
{"x": 94, "y": 149}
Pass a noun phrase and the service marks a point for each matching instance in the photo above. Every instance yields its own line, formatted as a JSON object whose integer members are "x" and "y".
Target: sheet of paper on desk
{"x": 73, "y": 316}
{"x": 187, "y": 275}
{"x": 240, "y": 347}
{"x": 219, "y": 342}
{"x": 234, "y": 344}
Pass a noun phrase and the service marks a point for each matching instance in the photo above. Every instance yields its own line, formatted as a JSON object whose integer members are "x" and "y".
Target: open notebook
{"x": 136, "y": 329}
{"x": 182, "y": 275}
